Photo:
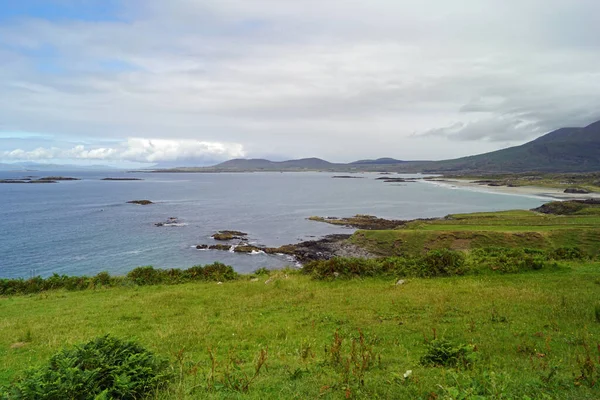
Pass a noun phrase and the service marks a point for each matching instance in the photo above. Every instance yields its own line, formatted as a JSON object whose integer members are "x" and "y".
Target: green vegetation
{"x": 139, "y": 276}
{"x": 532, "y": 334}
{"x": 104, "y": 368}
{"x": 514, "y": 229}
{"x": 444, "y": 262}
{"x": 586, "y": 181}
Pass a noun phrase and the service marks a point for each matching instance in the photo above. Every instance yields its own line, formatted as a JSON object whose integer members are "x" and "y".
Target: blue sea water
{"x": 84, "y": 227}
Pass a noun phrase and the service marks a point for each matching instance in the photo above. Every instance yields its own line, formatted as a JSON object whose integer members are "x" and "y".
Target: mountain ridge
{"x": 570, "y": 149}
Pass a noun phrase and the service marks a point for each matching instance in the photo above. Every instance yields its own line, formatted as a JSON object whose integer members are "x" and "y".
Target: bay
{"x": 85, "y": 227}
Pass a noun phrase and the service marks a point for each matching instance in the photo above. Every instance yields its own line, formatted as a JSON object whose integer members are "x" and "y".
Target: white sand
{"x": 539, "y": 191}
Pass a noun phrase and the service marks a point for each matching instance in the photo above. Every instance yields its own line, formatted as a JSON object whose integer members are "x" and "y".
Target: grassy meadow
{"x": 516, "y": 229}
{"x": 287, "y": 335}
{"x": 534, "y": 334}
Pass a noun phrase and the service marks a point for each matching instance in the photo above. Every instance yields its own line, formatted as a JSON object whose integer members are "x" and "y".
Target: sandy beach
{"x": 539, "y": 191}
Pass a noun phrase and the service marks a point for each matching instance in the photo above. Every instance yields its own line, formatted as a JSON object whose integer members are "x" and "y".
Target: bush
{"x": 442, "y": 262}
{"x": 103, "y": 368}
{"x": 219, "y": 272}
{"x": 566, "y": 253}
{"x": 435, "y": 263}
{"x": 139, "y": 276}
{"x": 443, "y": 353}
{"x": 145, "y": 276}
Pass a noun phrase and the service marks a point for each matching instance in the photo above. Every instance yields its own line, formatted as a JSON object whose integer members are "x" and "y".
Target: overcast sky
{"x": 195, "y": 82}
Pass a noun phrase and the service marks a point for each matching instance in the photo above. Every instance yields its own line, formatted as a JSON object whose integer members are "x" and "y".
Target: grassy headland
{"x": 520, "y": 228}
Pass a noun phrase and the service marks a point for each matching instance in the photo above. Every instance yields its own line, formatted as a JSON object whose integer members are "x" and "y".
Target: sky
{"x": 196, "y": 82}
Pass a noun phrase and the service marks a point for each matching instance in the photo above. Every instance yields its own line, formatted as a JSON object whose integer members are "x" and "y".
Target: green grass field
{"x": 532, "y": 333}
{"x": 517, "y": 228}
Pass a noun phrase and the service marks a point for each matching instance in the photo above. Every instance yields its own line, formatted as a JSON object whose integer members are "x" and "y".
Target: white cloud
{"x": 136, "y": 150}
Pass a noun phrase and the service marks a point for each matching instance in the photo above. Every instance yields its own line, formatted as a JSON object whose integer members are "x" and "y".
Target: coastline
{"x": 534, "y": 191}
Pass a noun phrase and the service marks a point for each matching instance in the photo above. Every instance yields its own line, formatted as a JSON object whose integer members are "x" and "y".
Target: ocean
{"x": 85, "y": 227}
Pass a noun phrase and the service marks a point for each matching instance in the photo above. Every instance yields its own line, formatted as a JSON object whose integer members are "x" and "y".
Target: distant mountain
{"x": 379, "y": 161}
{"x": 563, "y": 150}
{"x": 257, "y": 164}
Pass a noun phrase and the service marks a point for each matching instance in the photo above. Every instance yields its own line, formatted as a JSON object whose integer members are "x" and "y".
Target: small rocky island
{"x": 172, "y": 221}
{"x": 347, "y": 177}
{"x": 47, "y": 179}
{"x": 396, "y": 180}
{"x": 230, "y": 235}
{"x": 122, "y": 179}
{"x": 140, "y": 202}
{"x": 361, "y": 221}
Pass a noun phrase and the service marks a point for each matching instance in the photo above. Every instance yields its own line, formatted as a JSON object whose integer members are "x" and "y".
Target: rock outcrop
{"x": 140, "y": 202}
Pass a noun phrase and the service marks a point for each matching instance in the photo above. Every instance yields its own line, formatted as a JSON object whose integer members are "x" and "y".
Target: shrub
{"x": 145, "y": 276}
{"x": 219, "y": 272}
{"x": 106, "y": 368}
{"x": 262, "y": 271}
{"x": 442, "y": 262}
{"x": 566, "y": 253}
{"x": 102, "y": 279}
{"x": 441, "y": 352}
{"x": 139, "y": 276}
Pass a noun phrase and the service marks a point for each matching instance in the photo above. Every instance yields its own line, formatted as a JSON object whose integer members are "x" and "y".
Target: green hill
{"x": 262, "y": 164}
{"x": 563, "y": 150}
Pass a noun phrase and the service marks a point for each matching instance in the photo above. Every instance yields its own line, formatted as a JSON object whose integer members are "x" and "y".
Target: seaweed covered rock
{"x": 229, "y": 235}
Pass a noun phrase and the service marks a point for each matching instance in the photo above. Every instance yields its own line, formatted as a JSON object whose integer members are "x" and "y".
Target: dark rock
{"x": 229, "y": 235}
{"x": 140, "y": 202}
{"x": 577, "y": 191}
{"x": 122, "y": 179}
{"x": 172, "y": 221}
{"x": 202, "y": 246}
{"x": 246, "y": 249}
{"x": 328, "y": 247}
{"x": 361, "y": 222}
{"x": 26, "y": 180}
{"x": 223, "y": 247}
{"x": 58, "y": 178}
{"x": 347, "y": 177}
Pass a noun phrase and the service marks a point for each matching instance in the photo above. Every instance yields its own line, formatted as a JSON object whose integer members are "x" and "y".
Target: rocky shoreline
{"x": 322, "y": 249}
{"x": 361, "y": 221}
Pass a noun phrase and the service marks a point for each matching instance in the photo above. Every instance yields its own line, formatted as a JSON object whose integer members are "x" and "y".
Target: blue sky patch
{"x": 58, "y": 10}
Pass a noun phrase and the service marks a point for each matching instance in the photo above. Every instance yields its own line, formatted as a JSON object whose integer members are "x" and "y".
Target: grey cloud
{"x": 301, "y": 77}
